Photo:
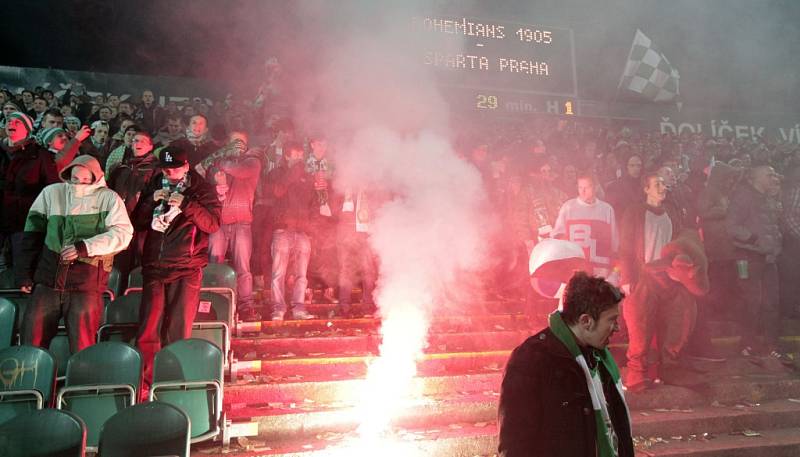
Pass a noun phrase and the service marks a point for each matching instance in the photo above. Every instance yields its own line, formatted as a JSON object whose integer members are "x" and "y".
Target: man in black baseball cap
{"x": 178, "y": 210}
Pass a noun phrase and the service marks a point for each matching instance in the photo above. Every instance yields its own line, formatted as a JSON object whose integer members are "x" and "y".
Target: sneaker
{"x": 301, "y": 315}
{"x": 277, "y": 316}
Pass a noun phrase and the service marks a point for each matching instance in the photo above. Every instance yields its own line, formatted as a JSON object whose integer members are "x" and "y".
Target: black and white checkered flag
{"x": 648, "y": 72}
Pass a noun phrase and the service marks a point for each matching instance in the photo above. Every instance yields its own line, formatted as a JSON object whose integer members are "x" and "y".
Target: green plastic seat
{"x": 121, "y": 320}
{"x": 219, "y": 275}
{"x": 43, "y": 433}
{"x": 188, "y": 374}
{"x": 7, "y": 279}
{"x": 59, "y": 347}
{"x": 153, "y": 428}
{"x": 135, "y": 280}
{"x": 28, "y": 375}
{"x": 21, "y": 301}
{"x": 220, "y": 278}
{"x": 8, "y": 319}
{"x": 101, "y": 380}
{"x": 113, "y": 284}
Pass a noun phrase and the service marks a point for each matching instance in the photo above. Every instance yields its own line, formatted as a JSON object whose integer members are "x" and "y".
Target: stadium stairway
{"x": 295, "y": 384}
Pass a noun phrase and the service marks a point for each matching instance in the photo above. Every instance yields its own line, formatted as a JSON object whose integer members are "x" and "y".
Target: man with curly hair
{"x": 561, "y": 393}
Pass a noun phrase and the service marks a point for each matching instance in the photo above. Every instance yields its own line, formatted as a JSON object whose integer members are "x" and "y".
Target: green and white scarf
{"x": 163, "y": 214}
{"x": 607, "y": 443}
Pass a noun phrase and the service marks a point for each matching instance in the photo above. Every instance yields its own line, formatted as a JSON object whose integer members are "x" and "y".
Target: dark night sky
{"x": 731, "y": 53}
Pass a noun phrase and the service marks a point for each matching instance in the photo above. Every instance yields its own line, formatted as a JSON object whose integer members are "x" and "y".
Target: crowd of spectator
{"x": 190, "y": 187}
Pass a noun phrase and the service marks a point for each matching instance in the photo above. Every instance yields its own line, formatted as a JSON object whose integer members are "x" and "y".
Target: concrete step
{"x": 320, "y": 368}
{"x": 454, "y": 440}
{"x": 273, "y": 346}
{"x": 731, "y": 381}
{"x": 440, "y": 324}
{"x": 727, "y": 327}
{"x": 279, "y": 422}
{"x": 479, "y": 439}
{"x": 770, "y": 443}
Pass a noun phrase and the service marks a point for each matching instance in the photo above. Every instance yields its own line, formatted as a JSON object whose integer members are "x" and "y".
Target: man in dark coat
{"x": 547, "y": 406}
{"x": 753, "y": 222}
{"x": 177, "y": 210}
{"x": 25, "y": 169}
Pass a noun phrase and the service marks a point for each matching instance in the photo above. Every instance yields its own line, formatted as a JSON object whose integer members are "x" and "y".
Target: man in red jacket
{"x": 234, "y": 171}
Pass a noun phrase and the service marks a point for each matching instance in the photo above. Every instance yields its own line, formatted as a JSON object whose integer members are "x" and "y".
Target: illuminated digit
{"x": 492, "y": 102}
{"x": 519, "y": 33}
{"x": 481, "y": 104}
{"x": 568, "y": 107}
{"x": 528, "y": 35}
{"x": 547, "y": 37}
{"x": 537, "y": 36}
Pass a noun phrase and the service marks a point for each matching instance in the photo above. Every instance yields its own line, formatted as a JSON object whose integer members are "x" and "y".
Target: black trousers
{"x": 166, "y": 314}
{"x": 788, "y": 266}
{"x": 82, "y": 312}
{"x": 261, "y": 260}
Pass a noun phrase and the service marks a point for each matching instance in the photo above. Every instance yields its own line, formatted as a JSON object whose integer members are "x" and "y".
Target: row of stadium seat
{"x": 153, "y": 428}
{"x": 215, "y": 319}
{"x": 106, "y": 378}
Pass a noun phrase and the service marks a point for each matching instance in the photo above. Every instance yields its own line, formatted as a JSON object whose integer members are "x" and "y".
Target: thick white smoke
{"x": 429, "y": 230}
{"x": 389, "y": 128}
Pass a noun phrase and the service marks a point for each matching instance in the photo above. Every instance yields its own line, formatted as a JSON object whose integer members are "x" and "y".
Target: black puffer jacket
{"x": 30, "y": 168}
{"x": 183, "y": 247}
{"x": 546, "y": 407}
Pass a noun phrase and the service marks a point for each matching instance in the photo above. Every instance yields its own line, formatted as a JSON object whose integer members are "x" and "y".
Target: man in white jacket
{"x": 72, "y": 232}
{"x": 590, "y": 223}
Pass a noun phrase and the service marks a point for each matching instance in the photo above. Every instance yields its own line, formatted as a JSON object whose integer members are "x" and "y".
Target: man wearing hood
{"x": 72, "y": 232}
{"x": 26, "y": 169}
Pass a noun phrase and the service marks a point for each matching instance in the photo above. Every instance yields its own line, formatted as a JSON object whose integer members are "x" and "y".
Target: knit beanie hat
{"x": 45, "y": 136}
{"x": 26, "y": 120}
{"x": 72, "y": 120}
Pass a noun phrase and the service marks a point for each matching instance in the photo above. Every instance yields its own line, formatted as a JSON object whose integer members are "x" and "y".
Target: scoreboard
{"x": 497, "y": 64}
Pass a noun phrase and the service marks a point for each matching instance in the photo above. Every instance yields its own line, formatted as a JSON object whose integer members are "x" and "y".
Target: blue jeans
{"x": 239, "y": 240}
{"x": 285, "y": 244}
